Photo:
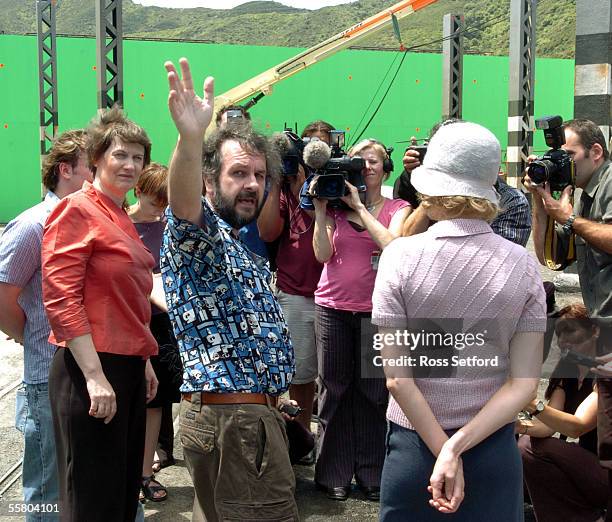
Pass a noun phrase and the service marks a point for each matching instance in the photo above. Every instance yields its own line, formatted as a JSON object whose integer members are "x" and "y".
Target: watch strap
{"x": 539, "y": 408}
{"x": 568, "y": 226}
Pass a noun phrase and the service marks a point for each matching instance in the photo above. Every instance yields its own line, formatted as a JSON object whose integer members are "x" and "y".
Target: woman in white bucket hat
{"x": 451, "y": 452}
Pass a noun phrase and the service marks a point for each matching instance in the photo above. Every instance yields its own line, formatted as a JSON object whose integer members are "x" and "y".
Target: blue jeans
{"x": 33, "y": 419}
{"x": 139, "y": 513}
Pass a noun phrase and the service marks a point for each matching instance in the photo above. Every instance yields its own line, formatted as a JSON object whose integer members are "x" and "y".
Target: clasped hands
{"x": 447, "y": 483}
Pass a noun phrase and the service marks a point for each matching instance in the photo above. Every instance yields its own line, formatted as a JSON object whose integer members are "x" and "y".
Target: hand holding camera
{"x": 551, "y": 176}
{"x": 555, "y": 168}
{"x": 290, "y": 409}
{"x": 411, "y": 159}
{"x": 352, "y": 200}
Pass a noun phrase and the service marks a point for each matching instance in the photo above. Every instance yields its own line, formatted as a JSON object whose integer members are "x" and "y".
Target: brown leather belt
{"x": 233, "y": 398}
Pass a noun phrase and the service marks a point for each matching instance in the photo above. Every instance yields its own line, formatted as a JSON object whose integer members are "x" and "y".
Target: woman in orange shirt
{"x": 96, "y": 287}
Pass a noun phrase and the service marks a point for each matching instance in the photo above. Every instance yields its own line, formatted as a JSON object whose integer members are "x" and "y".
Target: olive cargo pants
{"x": 238, "y": 459}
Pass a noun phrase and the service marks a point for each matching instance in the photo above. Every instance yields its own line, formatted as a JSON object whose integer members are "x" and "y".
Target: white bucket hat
{"x": 462, "y": 159}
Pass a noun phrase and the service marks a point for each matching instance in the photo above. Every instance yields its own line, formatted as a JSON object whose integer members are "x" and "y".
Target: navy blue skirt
{"x": 493, "y": 480}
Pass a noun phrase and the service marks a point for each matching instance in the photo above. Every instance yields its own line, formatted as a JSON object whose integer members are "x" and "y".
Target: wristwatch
{"x": 539, "y": 408}
{"x": 569, "y": 224}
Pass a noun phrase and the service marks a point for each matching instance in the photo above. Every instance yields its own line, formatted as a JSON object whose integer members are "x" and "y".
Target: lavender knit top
{"x": 460, "y": 269}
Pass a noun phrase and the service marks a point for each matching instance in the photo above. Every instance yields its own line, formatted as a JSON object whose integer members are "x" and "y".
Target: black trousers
{"x": 99, "y": 465}
{"x": 352, "y": 409}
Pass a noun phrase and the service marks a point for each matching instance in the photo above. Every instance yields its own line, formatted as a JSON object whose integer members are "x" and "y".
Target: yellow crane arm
{"x": 263, "y": 82}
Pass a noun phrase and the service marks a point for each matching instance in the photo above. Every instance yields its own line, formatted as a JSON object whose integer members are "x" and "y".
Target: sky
{"x": 229, "y": 4}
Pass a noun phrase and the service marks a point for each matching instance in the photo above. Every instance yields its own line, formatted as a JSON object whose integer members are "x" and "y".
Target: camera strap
{"x": 551, "y": 247}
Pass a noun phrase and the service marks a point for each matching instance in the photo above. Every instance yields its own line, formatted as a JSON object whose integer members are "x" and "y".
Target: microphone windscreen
{"x": 316, "y": 154}
{"x": 282, "y": 144}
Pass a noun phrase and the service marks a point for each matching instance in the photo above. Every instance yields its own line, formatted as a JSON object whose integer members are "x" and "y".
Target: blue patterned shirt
{"x": 20, "y": 265}
{"x": 230, "y": 329}
{"x": 514, "y": 219}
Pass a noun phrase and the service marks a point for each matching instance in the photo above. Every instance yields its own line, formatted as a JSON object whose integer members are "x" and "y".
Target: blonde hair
{"x": 466, "y": 207}
{"x": 374, "y": 145}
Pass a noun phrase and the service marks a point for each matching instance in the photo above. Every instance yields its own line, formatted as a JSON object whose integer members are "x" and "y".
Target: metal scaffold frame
{"x": 452, "y": 68}
{"x": 47, "y": 73}
{"x": 593, "y": 63}
{"x": 521, "y": 86}
{"x": 109, "y": 52}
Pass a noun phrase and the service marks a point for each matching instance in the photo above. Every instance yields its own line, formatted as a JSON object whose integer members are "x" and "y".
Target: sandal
{"x": 151, "y": 487}
{"x": 162, "y": 462}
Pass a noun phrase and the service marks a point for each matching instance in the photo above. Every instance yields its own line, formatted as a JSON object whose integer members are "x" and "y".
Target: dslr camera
{"x": 555, "y": 167}
{"x": 333, "y": 167}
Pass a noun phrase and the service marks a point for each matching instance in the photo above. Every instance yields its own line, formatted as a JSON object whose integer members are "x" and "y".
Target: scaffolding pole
{"x": 521, "y": 92}
{"x": 47, "y": 74}
{"x": 452, "y": 68}
{"x": 593, "y": 89}
{"x": 109, "y": 50}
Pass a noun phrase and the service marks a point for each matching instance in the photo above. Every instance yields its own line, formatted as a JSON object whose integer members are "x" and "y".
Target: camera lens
{"x": 330, "y": 186}
{"x": 540, "y": 170}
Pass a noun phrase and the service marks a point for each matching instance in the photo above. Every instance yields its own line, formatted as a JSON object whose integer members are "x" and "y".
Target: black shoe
{"x": 338, "y": 493}
{"x": 371, "y": 492}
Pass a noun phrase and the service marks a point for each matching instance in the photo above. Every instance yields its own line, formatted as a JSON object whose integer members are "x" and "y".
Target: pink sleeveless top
{"x": 347, "y": 280}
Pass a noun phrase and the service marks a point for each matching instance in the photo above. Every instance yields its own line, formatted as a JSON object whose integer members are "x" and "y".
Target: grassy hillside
{"x": 270, "y": 23}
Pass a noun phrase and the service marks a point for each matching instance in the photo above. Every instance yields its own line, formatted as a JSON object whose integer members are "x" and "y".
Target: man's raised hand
{"x": 190, "y": 113}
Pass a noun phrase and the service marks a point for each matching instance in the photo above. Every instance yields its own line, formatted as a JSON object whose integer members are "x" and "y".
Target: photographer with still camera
{"x": 578, "y": 157}
{"x": 350, "y": 231}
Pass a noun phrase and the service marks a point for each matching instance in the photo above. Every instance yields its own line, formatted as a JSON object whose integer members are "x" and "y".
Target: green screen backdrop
{"x": 344, "y": 90}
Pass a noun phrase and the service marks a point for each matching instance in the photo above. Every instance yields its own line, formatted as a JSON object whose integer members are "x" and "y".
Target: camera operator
{"x": 298, "y": 270}
{"x": 591, "y": 222}
{"x": 351, "y": 409}
{"x": 232, "y": 112}
{"x": 513, "y": 221}
{"x": 403, "y": 188}
{"x": 318, "y": 129}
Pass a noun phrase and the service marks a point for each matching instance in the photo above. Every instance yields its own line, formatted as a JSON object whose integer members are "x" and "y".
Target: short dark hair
{"x": 568, "y": 318}
{"x": 589, "y": 134}
{"x": 249, "y": 139}
{"x": 153, "y": 181}
{"x": 110, "y": 124}
{"x": 66, "y": 149}
{"x": 443, "y": 123}
{"x": 223, "y": 110}
{"x": 316, "y": 126}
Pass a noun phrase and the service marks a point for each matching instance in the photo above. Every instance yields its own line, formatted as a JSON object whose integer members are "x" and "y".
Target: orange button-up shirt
{"x": 97, "y": 275}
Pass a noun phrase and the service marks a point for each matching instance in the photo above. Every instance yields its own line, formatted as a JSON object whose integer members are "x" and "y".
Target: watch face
{"x": 540, "y": 406}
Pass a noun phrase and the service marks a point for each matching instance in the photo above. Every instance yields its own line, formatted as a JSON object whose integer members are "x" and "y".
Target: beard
{"x": 226, "y": 208}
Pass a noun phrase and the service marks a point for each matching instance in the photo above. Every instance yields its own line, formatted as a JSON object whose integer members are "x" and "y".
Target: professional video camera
{"x": 555, "y": 167}
{"x": 333, "y": 167}
{"x": 291, "y": 149}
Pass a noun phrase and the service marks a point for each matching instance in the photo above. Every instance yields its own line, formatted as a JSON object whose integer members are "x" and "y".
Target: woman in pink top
{"x": 351, "y": 409}
{"x": 474, "y": 305}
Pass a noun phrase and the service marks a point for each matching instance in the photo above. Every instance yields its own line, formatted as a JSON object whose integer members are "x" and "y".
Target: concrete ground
{"x": 313, "y": 505}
